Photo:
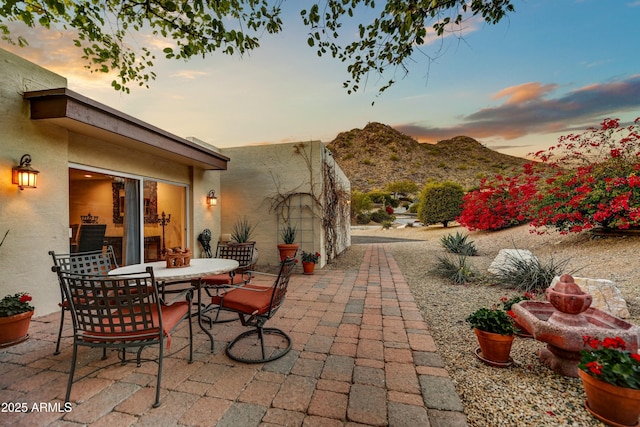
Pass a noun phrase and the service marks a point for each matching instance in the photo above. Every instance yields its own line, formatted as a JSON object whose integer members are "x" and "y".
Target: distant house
{"x": 139, "y": 187}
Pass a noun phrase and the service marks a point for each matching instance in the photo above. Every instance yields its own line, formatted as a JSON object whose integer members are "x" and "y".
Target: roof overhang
{"x": 85, "y": 116}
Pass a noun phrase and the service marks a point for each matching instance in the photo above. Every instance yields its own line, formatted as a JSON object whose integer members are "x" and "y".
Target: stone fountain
{"x": 564, "y": 320}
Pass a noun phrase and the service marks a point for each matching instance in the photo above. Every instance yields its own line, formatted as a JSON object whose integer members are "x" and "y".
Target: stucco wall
{"x": 258, "y": 175}
{"x": 38, "y": 219}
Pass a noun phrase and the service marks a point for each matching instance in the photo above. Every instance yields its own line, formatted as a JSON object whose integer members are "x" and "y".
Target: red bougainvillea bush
{"x": 501, "y": 201}
{"x": 587, "y": 180}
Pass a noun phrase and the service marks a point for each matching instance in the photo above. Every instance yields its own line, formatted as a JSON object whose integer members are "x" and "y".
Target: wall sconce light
{"x": 24, "y": 175}
{"x": 212, "y": 200}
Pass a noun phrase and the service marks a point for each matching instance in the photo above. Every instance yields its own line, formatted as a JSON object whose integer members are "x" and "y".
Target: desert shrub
{"x": 529, "y": 275}
{"x": 440, "y": 203}
{"x": 381, "y": 216}
{"x": 456, "y": 269}
{"x": 413, "y": 208}
{"x": 458, "y": 244}
{"x": 387, "y": 224}
{"x": 363, "y": 218}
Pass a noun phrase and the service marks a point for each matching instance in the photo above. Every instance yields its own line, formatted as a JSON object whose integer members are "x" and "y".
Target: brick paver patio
{"x": 362, "y": 355}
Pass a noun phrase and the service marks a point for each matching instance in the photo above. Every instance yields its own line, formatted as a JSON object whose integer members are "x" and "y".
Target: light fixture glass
{"x": 24, "y": 175}
{"x": 212, "y": 200}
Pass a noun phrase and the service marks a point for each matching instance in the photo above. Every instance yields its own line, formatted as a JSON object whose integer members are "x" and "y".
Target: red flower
{"x": 25, "y": 298}
{"x": 616, "y": 342}
{"x": 636, "y": 356}
{"x": 595, "y": 367}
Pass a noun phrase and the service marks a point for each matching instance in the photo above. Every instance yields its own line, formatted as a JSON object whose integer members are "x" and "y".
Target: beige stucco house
{"x": 100, "y": 168}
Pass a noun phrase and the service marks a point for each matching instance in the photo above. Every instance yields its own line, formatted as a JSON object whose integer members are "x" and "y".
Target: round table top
{"x": 198, "y": 267}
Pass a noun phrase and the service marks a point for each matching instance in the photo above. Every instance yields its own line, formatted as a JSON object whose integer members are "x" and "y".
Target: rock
{"x": 505, "y": 257}
{"x": 606, "y": 295}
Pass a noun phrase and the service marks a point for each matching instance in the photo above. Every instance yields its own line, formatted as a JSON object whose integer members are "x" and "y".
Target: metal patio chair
{"x": 213, "y": 285}
{"x": 255, "y": 305}
{"x": 98, "y": 263}
{"x": 122, "y": 312}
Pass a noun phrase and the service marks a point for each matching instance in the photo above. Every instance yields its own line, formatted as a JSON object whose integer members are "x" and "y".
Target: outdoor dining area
{"x": 231, "y": 347}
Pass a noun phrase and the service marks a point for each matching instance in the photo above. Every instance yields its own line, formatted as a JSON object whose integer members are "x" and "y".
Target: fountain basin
{"x": 563, "y": 332}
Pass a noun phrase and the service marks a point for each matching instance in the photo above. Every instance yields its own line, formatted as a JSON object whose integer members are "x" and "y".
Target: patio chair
{"x": 122, "y": 312}
{"x": 92, "y": 262}
{"x": 255, "y": 305}
{"x": 241, "y": 252}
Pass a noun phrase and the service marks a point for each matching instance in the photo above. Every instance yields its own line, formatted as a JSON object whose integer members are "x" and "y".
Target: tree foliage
{"x": 360, "y": 202}
{"x": 403, "y": 187}
{"x": 188, "y": 28}
{"x": 440, "y": 202}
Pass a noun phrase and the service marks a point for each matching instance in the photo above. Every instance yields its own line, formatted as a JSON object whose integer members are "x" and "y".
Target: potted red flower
{"x": 309, "y": 261}
{"x": 15, "y": 317}
{"x": 494, "y": 329}
{"x": 610, "y": 376}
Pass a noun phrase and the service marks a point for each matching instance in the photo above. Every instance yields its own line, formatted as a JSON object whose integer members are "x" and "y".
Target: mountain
{"x": 378, "y": 154}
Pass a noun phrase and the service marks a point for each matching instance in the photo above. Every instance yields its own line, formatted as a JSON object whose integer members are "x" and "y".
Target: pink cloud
{"x": 524, "y": 92}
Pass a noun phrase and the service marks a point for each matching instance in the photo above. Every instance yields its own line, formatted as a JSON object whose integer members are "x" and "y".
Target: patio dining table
{"x": 197, "y": 268}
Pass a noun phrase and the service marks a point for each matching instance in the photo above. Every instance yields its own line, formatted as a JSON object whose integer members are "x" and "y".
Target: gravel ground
{"x": 527, "y": 393}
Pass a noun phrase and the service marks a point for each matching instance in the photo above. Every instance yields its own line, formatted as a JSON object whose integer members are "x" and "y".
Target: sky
{"x": 552, "y": 68}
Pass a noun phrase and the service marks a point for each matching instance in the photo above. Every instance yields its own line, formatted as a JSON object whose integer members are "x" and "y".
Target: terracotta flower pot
{"x": 308, "y": 267}
{"x": 287, "y": 250}
{"x": 495, "y": 347}
{"x": 611, "y": 404}
{"x": 14, "y": 329}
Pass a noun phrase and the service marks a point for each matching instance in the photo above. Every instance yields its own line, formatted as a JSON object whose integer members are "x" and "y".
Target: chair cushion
{"x": 246, "y": 301}
{"x": 224, "y": 279}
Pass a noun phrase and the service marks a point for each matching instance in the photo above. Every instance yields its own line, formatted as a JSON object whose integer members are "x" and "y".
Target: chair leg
{"x": 260, "y": 332}
{"x": 159, "y": 381}
{"x": 190, "y": 339}
{"x": 71, "y": 372}
{"x": 57, "y": 352}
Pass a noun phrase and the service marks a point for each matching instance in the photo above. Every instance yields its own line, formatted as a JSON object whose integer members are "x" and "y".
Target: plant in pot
{"x": 241, "y": 233}
{"x": 494, "y": 329}
{"x": 610, "y": 376}
{"x": 288, "y": 248}
{"x": 309, "y": 261}
{"x": 15, "y": 317}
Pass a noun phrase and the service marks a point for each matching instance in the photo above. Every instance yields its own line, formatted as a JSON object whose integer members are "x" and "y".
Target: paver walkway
{"x": 362, "y": 355}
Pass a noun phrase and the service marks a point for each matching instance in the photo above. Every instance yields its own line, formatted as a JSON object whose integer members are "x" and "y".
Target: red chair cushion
{"x": 245, "y": 300}
{"x": 224, "y": 279}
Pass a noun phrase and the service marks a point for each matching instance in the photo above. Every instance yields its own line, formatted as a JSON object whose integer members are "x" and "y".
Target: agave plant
{"x": 242, "y": 230}
{"x": 289, "y": 234}
{"x": 456, "y": 269}
{"x": 459, "y": 244}
{"x": 529, "y": 275}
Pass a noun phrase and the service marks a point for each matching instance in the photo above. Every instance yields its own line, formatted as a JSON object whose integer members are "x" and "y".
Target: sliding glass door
{"x": 138, "y": 217}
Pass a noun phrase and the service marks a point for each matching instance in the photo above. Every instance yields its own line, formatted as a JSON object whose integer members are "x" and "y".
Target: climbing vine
{"x": 329, "y": 203}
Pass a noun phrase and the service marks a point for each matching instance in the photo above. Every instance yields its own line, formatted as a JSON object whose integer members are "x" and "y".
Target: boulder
{"x": 606, "y": 295}
{"x": 504, "y": 259}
